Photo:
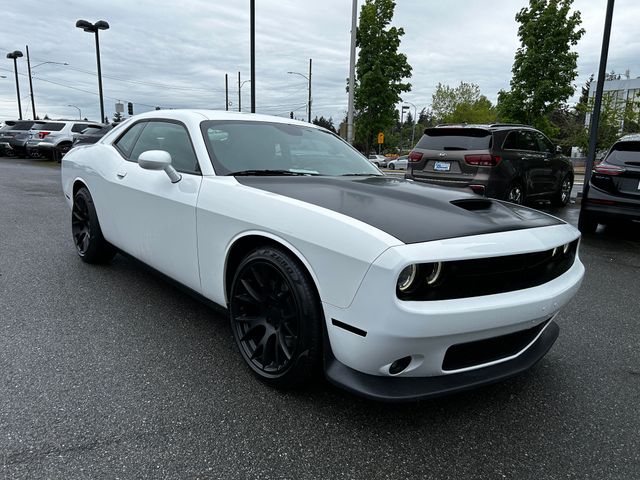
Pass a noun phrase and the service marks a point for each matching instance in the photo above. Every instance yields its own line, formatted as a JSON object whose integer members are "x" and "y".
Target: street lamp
{"x": 95, "y": 28}
{"x": 240, "y": 84}
{"x": 309, "y": 80}
{"x": 30, "y": 68}
{"x": 402, "y": 109}
{"x": 415, "y": 120}
{"x": 15, "y": 55}
{"x": 79, "y": 111}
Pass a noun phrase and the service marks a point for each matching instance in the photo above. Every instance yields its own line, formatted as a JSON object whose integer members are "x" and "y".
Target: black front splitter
{"x": 404, "y": 389}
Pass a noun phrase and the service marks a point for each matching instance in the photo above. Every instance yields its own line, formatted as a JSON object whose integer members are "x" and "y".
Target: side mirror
{"x": 159, "y": 160}
{"x": 558, "y": 149}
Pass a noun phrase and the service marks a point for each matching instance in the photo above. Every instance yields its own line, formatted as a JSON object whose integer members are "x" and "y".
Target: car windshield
{"x": 271, "y": 148}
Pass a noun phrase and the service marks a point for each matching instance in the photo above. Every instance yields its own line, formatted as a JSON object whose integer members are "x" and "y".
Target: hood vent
{"x": 473, "y": 204}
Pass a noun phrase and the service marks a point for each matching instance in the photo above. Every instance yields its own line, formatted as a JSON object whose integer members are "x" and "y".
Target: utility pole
{"x": 33, "y": 102}
{"x": 309, "y": 90}
{"x": 352, "y": 70}
{"x": 239, "y": 94}
{"x": 226, "y": 91}
{"x": 595, "y": 116}
{"x": 252, "y": 21}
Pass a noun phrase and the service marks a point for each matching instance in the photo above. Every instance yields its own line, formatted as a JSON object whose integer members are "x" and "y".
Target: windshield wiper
{"x": 266, "y": 173}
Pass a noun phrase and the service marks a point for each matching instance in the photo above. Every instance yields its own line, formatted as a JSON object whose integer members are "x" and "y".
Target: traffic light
{"x": 290, "y": 114}
{"x": 130, "y": 108}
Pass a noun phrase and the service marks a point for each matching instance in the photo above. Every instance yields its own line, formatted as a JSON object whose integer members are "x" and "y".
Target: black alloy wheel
{"x": 563, "y": 195}
{"x": 275, "y": 317}
{"x": 85, "y": 228}
{"x": 515, "y": 194}
{"x": 81, "y": 224}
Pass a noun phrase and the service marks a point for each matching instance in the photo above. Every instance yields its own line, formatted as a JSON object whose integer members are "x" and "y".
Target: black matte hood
{"x": 410, "y": 211}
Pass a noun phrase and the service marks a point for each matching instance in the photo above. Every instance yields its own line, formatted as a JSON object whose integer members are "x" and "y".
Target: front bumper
{"x": 400, "y": 389}
{"x": 382, "y": 329}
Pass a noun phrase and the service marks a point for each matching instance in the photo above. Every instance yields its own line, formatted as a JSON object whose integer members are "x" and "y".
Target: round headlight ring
{"x": 436, "y": 272}
{"x": 407, "y": 277}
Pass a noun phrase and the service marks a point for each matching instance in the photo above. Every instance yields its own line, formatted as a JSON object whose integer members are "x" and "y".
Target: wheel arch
{"x": 245, "y": 242}
{"x": 78, "y": 183}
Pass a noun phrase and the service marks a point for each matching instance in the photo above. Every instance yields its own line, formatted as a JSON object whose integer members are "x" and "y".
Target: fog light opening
{"x": 399, "y": 365}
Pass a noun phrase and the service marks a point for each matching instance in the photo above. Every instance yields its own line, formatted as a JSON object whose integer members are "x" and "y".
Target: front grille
{"x": 480, "y": 352}
{"x": 488, "y": 276}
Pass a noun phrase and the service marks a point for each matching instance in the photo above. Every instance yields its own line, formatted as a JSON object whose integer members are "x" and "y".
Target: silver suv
{"x": 55, "y": 138}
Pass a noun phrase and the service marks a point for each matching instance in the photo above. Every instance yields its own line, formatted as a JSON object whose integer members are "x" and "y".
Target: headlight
{"x": 407, "y": 277}
{"x": 433, "y": 272}
{"x": 565, "y": 248}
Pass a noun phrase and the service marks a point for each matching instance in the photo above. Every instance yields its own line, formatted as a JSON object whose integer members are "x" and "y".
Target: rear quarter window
{"x": 624, "y": 153}
{"x": 455, "y": 139}
{"x": 51, "y": 126}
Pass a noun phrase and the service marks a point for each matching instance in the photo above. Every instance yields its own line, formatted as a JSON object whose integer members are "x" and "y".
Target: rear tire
{"x": 87, "y": 235}
{"x": 276, "y": 318}
{"x": 563, "y": 195}
{"x": 515, "y": 193}
{"x": 587, "y": 224}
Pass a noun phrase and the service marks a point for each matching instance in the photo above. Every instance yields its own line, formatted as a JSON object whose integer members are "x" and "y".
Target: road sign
{"x": 380, "y": 138}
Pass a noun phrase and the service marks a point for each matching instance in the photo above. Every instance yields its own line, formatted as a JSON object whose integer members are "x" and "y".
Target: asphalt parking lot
{"x": 110, "y": 372}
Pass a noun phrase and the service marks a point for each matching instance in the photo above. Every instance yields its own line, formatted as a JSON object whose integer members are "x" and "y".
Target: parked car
{"x": 91, "y": 134}
{"x": 511, "y": 162}
{"x": 54, "y": 139}
{"x": 399, "y": 163}
{"x": 14, "y": 139}
{"x": 614, "y": 187}
{"x": 299, "y": 236}
{"x": 379, "y": 161}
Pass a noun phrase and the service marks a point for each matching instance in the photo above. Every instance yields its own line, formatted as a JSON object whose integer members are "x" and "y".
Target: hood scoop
{"x": 473, "y": 204}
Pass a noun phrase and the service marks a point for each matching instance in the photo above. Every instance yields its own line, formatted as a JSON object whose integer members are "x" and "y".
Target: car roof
{"x": 634, "y": 137}
{"x": 201, "y": 114}
{"x": 486, "y": 126}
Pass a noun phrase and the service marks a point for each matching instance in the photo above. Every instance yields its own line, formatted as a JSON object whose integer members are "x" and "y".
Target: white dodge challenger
{"x": 395, "y": 290}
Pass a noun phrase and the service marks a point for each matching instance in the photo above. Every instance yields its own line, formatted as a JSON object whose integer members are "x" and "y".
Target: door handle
{"x": 121, "y": 174}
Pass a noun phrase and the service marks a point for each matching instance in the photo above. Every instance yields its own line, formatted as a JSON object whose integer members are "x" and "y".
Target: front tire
{"x": 87, "y": 235}
{"x": 276, "y": 318}
{"x": 392, "y": 166}
{"x": 515, "y": 193}
{"x": 563, "y": 195}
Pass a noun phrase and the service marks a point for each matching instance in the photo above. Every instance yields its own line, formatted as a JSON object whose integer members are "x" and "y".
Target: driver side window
{"x": 170, "y": 137}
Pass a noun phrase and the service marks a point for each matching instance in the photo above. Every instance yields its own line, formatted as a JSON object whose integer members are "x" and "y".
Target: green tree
{"x": 545, "y": 65}
{"x": 462, "y": 104}
{"x": 380, "y": 71}
{"x": 325, "y": 122}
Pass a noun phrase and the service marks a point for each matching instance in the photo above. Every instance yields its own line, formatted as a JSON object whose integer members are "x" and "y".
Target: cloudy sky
{"x": 175, "y": 54}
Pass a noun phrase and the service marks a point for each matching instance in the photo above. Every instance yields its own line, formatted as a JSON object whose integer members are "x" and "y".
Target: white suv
{"x": 55, "y": 138}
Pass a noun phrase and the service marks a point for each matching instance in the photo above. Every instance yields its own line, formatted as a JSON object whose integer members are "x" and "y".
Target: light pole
{"x": 415, "y": 120}
{"x": 252, "y": 41}
{"x": 308, "y": 80}
{"x": 15, "y": 55}
{"x": 95, "y": 28}
{"x": 402, "y": 109}
{"x": 240, "y": 84}
{"x": 79, "y": 111}
{"x": 30, "y": 68}
{"x": 352, "y": 70}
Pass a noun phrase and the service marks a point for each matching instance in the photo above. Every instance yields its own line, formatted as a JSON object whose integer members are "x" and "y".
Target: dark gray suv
{"x": 511, "y": 162}
{"x": 614, "y": 188}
